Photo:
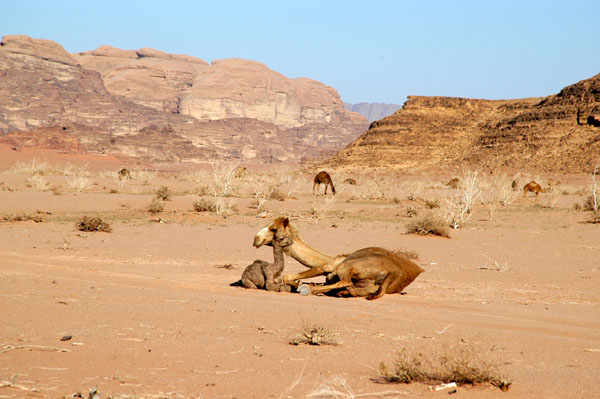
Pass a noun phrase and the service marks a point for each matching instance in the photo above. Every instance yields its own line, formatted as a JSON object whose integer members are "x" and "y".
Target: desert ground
{"x": 147, "y": 311}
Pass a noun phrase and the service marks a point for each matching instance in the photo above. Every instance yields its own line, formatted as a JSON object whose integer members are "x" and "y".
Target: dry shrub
{"x": 163, "y": 193}
{"x": 146, "y": 176}
{"x": 205, "y": 205}
{"x": 407, "y": 253}
{"x": 594, "y": 218}
{"x": 431, "y": 204}
{"x": 22, "y": 217}
{"x": 314, "y": 335}
{"x": 37, "y": 182}
{"x": 156, "y": 206}
{"x": 96, "y": 223}
{"x": 34, "y": 167}
{"x": 78, "y": 183}
{"x": 460, "y": 365}
{"x": 215, "y": 205}
{"x": 459, "y": 206}
{"x": 411, "y": 211}
{"x": 428, "y": 224}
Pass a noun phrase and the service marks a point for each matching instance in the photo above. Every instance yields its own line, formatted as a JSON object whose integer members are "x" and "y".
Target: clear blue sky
{"x": 374, "y": 51}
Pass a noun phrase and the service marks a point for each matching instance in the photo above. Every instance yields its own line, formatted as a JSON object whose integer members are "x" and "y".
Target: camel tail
{"x": 236, "y": 284}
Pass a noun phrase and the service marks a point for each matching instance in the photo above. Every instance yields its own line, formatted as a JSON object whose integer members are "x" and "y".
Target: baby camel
{"x": 323, "y": 178}
{"x": 261, "y": 274}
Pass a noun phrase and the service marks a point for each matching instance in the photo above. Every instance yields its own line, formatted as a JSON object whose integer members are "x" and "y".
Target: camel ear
{"x": 286, "y": 221}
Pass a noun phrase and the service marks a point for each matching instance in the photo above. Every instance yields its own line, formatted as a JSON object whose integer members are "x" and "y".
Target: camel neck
{"x": 306, "y": 255}
{"x": 277, "y": 254}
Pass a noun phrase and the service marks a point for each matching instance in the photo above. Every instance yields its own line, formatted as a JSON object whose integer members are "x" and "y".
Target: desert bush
{"x": 96, "y": 223}
{"x": 145, "y": 176}
{"x": 431, "y": 204}
{"x": 22, "y": 217}
{"x": 215, "y": 205}
{"x": 163, "y": 193}
{"x": 34, "y": 167}
{"x": 594, "y": 218}
{"x": 224, "y": 181}
{"x": 38, "y": 182}
{"x": 458, "y": 207}
{"x": 156, "y": 206}
{"x": 407, "y": 253}
{"x": 205, "y": 205}
{"x": 78, "y": 183}
{"x": 411, "y": 211}
{"x": 461, "y": 365}
{"x": 317, "y": 211}
{"x": 428, "y": 224}
{"x": 314, "y": 335}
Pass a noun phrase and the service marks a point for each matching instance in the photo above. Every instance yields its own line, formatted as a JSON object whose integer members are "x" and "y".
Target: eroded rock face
{"x": 229, "y": 88}
{"x": 529, "y": 134}
{"x": 48, "y": 99}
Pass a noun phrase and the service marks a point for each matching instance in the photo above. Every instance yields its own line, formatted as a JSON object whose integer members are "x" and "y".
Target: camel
{"x": 453, "y": 183}
{"x": 261, "y": 274}
{"x": 323, "y": 178}
{"x": 350, "y": 181}
{"x": 369, "y": 272}
{"x": 124, "y": 174}
{"x": 534, "y": 188}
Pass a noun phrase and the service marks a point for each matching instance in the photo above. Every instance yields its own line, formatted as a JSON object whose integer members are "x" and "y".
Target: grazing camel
{"x": 261, "y": 274}
{"x": 323, "y": 178}
{"x": 534, "y": 188}
{"x": 453, "y": 183}
{"x": 124, "y": 174}
{"x": 369, "y": 272}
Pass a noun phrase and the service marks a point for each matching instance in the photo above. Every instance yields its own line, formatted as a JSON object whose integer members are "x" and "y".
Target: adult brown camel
{"x": 124, "y": 174}
{"x": 357, "y": 272}
{"x": 323, "y": 178}
{"x": 261, "y": 274}
{"x": 534, "y": 188}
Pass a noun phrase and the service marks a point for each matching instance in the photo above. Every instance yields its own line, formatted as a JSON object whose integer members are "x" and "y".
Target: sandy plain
{"x": 151, "y": 313}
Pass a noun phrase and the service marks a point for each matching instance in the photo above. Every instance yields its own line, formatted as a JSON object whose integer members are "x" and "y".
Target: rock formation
{"x": 529, "y": 134}
{"x": 129, "y": 103}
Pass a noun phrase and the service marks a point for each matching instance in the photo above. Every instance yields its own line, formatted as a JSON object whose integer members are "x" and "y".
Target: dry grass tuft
{"x": 314, "y": 335}
{"x": 407, "y": 253}
{"x": 428, "y": 224}
{"x": 156, "y": 206}
{"x": 205, "y": 205}
{"x": 163, "y": 193}
{"x": 461, "y": 365}
{"x": 22, "y": 217}
{"x": 87, "y": 223}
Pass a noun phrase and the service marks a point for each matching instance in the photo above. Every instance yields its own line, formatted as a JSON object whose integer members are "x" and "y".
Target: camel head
{"x": 265, "y": 236}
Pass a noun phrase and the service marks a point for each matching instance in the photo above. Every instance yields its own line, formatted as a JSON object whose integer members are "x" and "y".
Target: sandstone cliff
{"x": 541, "y": 134}
{"x": 128, "y": 102}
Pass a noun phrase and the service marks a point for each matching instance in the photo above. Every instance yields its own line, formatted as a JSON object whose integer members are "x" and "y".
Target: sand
{"x": 151, "y": 314}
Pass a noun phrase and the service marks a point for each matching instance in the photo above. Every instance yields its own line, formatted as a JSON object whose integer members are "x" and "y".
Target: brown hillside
{"x": 48, "y": 100}
{"x": 532, "y": 134}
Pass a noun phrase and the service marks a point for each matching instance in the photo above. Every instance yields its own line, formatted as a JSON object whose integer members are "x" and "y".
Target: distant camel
{"x": 534, "y": 188}
{"x": 239, "y": 172}
{"x": 265, "y": 275}
{"x": 593, "y": 121}
{"x": 323, "y": 178}
{"x": 124, "y": 174}
{"x": 350, "y": 181}
{"x": 370, "y": 272}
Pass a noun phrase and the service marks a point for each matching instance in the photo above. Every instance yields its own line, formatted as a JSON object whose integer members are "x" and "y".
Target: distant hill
{"x": 557, "y": 133}
{"x": 373, "y": 111}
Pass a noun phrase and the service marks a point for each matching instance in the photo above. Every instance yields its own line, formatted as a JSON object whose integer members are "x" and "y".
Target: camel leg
{"x": 314, "y": 185}
{"x": 382, "y": 288}
{"x": 326, "y": 288}
{"x": 291, "y": 279}
{"x": 326, "y": 184}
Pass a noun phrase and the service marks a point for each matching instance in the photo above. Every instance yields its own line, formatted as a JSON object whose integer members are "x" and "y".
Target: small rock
{"x": 66, "y": 338}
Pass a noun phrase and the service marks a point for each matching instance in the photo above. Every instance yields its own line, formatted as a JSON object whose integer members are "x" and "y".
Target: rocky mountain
{"x": 558, "y": 133}
{"x": 162, "y": 107}
{"x": 373, "y": 111}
